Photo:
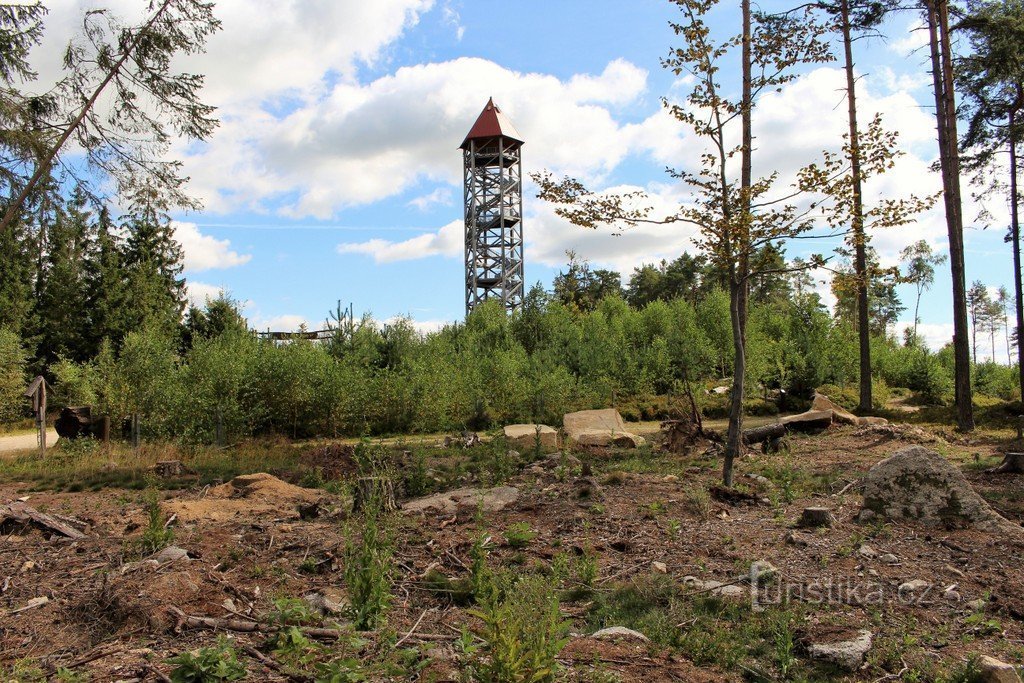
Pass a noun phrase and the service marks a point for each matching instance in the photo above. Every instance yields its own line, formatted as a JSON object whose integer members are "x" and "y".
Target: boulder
{"x": 491, "y": 500}
{"x": 845, "y": 651}
{"x": 920, "y": 485}
{"x": 817, "y": 517}
{"x": 607, "y": 419}
{"x": 994, "y": 671}
{"x": 619, "y": 633}
{"x": 607, "y": 438}
{"x": 523, "y": 437}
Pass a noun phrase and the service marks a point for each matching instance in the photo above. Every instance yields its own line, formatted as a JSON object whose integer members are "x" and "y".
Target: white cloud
{"x": 280, "y": 323}
{"x": 384, "y": 136}
{"x": 203, "y": 252}
{"x": 442, "y": 196}
{"x": 934, "y": 335}
{"x": 914, "y": 37}
{"x": 198, "y": 293}
{"x": 448, "y": 241}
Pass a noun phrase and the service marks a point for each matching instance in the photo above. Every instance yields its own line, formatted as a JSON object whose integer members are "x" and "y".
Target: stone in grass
{"x": 994, "y": 671}
{"x": 762, "y": 572}
{"x": 172, "y": 553}
{"x": 844, "y": 650}
{"x": 817, "y": 517}
{"x": 619, "y": 633}
{"x": 921, "y": 485}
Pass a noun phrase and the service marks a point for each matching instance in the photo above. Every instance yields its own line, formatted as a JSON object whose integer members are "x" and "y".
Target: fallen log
{"x": 755, "y": 435}
{"x": 245, "y": 625}
{"x": 19, "y": 512}
{"x": 811, "y": 422}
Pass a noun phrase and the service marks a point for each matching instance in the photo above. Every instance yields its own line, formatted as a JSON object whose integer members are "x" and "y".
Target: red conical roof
{"x": 490, "y": 124}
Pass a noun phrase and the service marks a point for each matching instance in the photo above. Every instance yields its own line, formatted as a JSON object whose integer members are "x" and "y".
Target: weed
{"x": 369, "y": 547}
{"x": 293, "y": 649}
{"x": 217, "y": 662}
{"x": 345, "y": 670}
{"x": 674, "y": 527}
{"x": 697, "y": 501}
{"x": 66, "y": 675}
{"x": 157, "y": 535}
{"x": 523, "y": 633}
{"x": 519, "y": 535}
{"x": 291, "y": 612}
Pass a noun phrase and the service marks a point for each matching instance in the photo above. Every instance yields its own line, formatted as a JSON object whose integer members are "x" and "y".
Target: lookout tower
{"x": 494, "y": 210}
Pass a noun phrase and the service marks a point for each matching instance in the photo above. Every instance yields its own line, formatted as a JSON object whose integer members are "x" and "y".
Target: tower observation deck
{"x": 494, "y": 209}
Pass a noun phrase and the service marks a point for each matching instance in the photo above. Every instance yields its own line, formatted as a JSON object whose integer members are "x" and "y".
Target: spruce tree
{"x": 153, "y": 261}
{"x": 107, "y": 286}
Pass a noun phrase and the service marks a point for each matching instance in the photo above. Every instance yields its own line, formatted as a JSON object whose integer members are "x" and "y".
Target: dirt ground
{"x": 644, "y": 520}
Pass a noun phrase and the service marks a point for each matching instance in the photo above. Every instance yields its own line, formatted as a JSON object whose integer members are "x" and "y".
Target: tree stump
{"x": 817, "y": 517}
{"x": 374, "y": 492}
{"x": 776, "y": 444}
{"x": 169, "y": 468}
{"x": 1013, "y": 463}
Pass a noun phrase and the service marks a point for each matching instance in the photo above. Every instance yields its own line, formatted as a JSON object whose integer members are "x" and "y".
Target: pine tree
{"x": 17, "y": 278}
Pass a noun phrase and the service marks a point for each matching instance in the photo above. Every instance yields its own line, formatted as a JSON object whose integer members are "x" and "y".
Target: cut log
{"x": 376, "y": 491}
{"x": 811, "y": 422}
{"x": 19, "y": 512}
{"x": 756, "y": 435}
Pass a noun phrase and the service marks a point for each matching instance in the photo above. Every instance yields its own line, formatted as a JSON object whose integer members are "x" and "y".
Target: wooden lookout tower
{"x": 494, "y": 210}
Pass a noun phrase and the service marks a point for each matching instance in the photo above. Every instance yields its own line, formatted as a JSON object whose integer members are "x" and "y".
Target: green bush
{"x": 523, "y": 633}
{"x": 12, "y": 377}
{"x": 209, "y": 664}
{"x": 367, "y": 554}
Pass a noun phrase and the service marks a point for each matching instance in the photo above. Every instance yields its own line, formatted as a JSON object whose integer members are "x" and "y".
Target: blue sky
{"x": 336, "y": 174}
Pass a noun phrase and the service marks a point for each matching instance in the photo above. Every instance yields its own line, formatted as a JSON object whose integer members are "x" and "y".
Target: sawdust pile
{"x": 250, "y": 495}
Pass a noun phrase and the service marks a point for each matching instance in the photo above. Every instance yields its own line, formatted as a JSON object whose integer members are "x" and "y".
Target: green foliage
{"x": 209, "y": 664}
{"x": 12, "y": 377}
{"x": 156, "y": 536}
{"x": 519, "y": 535}
{"x": 367, "y": 555}
{"x": 523, "y": 632}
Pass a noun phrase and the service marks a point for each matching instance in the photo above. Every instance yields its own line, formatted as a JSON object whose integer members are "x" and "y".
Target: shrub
{"x": 217, "y": 662}
{"x": 369, "y": 547}
{"x": 523, "y": 632}
{"x": 156, "y": 536}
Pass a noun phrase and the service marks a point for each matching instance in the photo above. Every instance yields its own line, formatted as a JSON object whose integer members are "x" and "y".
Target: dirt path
{"x": 21, "y": 442}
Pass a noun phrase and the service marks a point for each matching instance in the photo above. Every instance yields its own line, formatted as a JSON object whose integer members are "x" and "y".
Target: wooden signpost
{"x": 36, "y": 393}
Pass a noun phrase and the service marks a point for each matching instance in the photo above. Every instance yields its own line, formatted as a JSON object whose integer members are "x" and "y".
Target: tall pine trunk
{"x": 740, "y": 267}
{"x": 1015, "y": 236}
{"x": 949, "y": 161}
{"x": 860, "y": 263}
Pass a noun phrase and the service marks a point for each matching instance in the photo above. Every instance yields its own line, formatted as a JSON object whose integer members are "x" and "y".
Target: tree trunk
{"x": 949, "y": 161}
{"x": 756, "y": 435}
{"x": 1015, "y": 234}
{"x": 738, "y": 282}
{"x": 857, "y": 218}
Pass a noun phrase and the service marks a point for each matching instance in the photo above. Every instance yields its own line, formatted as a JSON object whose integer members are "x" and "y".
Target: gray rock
{"x": 919, "y": 484}
{"x": 995, "y": 671}
{"x": 328, "y": 605}
{"x": 846, "y": 654}
{"x": 762, "y": 572}
{"x": 914, "y": 586}
{"x": 491, "y": 500}
{"x": 888, "y": 558}
{"x": 526, "y": 437}
{"x": 172, "y": 553}
{"x": 867, "y": 552}
{"x": 619, "y": 633}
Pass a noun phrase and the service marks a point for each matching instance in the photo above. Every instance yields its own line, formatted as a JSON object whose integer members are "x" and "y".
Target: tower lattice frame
{"x": 492, "y": 163}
